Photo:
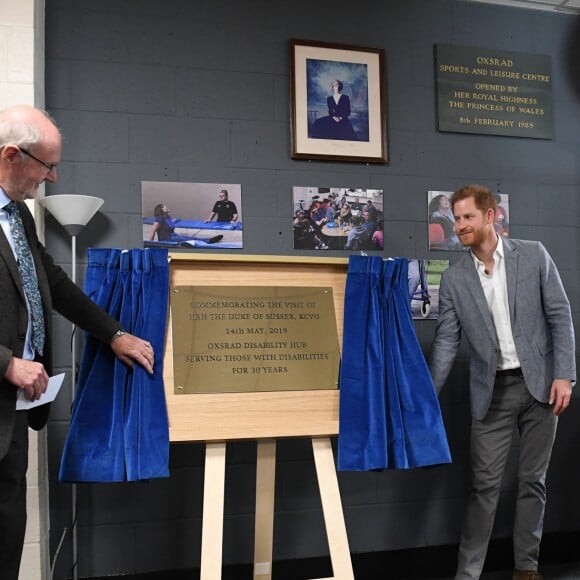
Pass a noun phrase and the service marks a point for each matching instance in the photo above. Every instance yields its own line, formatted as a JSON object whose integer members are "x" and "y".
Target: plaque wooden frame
{"x": 264, "y": 416}
{"x": 223, "y": 416}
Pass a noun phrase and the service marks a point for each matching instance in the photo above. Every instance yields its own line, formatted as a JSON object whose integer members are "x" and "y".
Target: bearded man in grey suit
{"x": 30, "y": 149}
{"x": 506, "y": 297}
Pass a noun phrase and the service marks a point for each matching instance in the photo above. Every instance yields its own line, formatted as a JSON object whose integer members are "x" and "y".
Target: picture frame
{"x": 184, "y": 216}
{"x": 338, "y": 218}
{"x": 337, "y": 102}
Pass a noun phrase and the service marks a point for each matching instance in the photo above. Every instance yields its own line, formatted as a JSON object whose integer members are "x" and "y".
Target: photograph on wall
{"x": 424, "y": 281}
{"x": 337, "y": 102}
{"x": 502, "y": 215}
{"x": 186, "y": 216}
{"x": 442, "y": 234}
{"x": 441, "y": 220}
{"x": 337, "y": 218}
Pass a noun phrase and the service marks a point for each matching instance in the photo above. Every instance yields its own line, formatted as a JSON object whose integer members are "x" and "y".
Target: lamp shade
{"x": 73, "y": 212}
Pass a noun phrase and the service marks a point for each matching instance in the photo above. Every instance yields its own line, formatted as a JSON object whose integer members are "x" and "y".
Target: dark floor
{"x": 570, "y": 571}
{"x": 559, "y": 560}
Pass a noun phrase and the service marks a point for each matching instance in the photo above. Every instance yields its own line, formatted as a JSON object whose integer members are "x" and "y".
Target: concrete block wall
{"x": 199, "y": 92}
{"x": 21, "y": 49}
{"x": 17, "y": 55}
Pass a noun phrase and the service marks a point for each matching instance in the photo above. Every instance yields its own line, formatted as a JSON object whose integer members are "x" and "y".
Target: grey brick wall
{"x": 199, "y": 91}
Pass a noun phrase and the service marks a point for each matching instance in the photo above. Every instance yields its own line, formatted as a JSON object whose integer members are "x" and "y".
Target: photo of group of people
{"x": 191, "y": 215}
{"x": 441, "y": 220}
{"x": 338, "y": 218}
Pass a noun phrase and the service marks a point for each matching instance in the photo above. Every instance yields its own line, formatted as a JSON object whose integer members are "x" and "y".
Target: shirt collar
{"x": 4, "y": 199}
{"x": 499, "y": 248}
{"x": 498, "y": 254}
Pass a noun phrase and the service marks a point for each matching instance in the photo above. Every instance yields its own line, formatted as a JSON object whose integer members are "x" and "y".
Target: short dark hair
{"x": 483, "y": 197}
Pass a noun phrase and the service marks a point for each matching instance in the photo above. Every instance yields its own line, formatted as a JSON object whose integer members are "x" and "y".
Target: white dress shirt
{"x": 495, "y": 289}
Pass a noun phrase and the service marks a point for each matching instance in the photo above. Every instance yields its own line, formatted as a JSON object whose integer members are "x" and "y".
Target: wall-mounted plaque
{"x": 493, "y": 92}
{"x": 253, "y": 338}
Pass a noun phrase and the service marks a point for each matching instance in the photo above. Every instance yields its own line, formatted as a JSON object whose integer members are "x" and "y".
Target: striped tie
{"x": 28, "y": 275}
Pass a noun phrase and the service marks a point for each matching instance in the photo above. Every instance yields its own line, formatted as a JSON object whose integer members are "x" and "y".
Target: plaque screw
{"x": 180, "y": 387}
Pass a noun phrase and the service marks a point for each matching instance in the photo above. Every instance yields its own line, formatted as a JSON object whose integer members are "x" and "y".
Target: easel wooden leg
{"x": 213, "y": 511}
{"x": 332, "y": 509}
{"x": 264, "y": 519}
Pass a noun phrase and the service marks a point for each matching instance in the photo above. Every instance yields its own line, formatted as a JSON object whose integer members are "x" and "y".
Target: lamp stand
{"x": 73, "y": 212}
{"x": 73, "y": 373}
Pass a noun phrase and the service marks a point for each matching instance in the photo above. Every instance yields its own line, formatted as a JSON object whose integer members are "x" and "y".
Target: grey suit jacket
{"x": 57, "y": 292}
{"x": 540, "y": 316}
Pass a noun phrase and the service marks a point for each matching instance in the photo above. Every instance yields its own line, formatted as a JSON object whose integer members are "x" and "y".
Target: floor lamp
{"x": 73, "y": 212}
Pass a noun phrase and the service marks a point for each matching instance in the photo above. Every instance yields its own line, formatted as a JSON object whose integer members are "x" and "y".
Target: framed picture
{"x": 424, "y": 278}
{"x": 337, "y": 218}
{"x": 187, "y": 216}
{"x": 441, "y": 222}
{"x": 337, "y": 100}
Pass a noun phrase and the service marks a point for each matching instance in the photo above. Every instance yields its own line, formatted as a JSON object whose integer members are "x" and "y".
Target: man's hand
{"x": 29, "y": 376}
{"x": 560, "y": 395}
{"x": 130, "y": 349}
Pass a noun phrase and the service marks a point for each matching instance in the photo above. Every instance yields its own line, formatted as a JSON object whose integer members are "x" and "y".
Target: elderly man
{"x": 31, "y": 285}
{"x": 507, "y": 299}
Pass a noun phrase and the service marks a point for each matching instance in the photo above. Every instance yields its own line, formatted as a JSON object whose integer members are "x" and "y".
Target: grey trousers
{"x": 491, "y": 438}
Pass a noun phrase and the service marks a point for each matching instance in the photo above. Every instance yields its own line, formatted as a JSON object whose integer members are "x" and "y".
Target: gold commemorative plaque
{"x": 253, "y": 338}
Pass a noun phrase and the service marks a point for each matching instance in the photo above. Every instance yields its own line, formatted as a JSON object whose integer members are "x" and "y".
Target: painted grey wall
{"x": 199, "y": 92}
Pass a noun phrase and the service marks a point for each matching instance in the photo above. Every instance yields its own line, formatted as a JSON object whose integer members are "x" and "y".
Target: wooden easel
{"x": 213, "y": 505}
{"x": 264, "y": 416}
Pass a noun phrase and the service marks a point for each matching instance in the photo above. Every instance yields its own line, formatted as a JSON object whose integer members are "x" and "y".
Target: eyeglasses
{"x": 49, "y": 166}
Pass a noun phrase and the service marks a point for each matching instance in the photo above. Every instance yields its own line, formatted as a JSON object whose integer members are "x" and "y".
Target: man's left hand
{"x": 131, "y": 349}
{"x": 560, "y": 395}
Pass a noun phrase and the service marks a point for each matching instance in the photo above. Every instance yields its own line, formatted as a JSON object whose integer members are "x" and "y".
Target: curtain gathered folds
{"x": 389, "y": 412}
{"x": 119, "y": 427}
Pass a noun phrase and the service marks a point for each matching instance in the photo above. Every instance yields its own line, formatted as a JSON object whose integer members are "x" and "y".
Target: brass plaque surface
{"x": 494, "y": 92}
{"x": 253, "y": 338}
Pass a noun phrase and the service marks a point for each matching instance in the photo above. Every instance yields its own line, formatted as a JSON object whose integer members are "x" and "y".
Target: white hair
{"x": 14, "y": 130}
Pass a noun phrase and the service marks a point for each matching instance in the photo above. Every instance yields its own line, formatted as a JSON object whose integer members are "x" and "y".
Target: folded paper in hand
{"x": 54, "y": 385}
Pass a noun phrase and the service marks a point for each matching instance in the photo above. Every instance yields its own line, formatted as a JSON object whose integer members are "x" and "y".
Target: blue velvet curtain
{"x": 389, "y": 412}
{"x": 119, "y": 428}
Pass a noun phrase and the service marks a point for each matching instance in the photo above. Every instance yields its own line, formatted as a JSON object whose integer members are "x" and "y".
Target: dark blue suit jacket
{"x": 57, "y": 292}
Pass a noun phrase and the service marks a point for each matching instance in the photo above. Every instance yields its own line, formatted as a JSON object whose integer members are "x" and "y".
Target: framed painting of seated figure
{"x": 337, "y": 102}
